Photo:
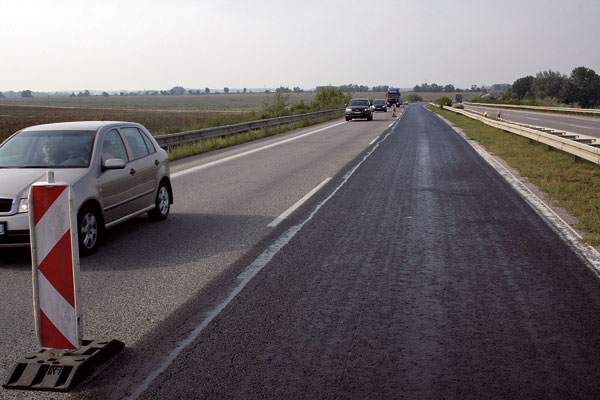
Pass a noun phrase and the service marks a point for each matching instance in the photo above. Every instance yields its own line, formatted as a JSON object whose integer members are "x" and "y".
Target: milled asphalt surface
{"x": 425, "y": 276}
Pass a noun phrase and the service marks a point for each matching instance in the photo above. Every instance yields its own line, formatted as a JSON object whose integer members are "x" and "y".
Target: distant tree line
{"x": 356, "y": 88}
{"x": 581, "y": 88}
{"x": 449, "y": 88}
{"x": 180, "y": 91}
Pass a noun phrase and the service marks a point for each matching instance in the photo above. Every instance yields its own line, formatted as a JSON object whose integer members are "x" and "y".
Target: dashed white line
{"x": 373, "y": 141}
{"x": 303, "y": 200}
{"x": 582, "y": 127}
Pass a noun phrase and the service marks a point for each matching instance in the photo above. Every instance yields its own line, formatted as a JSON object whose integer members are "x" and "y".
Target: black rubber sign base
{"x": 46, "y": 370}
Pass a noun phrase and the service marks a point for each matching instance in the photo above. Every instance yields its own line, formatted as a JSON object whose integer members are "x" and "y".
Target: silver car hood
{"x": 15, "y": 182}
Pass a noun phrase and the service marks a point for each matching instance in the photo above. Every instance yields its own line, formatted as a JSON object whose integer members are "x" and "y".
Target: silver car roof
{"x": 77, "y": 126}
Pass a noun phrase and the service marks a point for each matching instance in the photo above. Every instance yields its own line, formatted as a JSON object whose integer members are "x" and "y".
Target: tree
{"x": 449, "y": 88}
{"x": 380, "y": 88}
{"x": 297, "y": 89}
{"x": 414, "y": 98}
{"x": 354, "y": 88}
{"x": 328, "y": 98}
{"x": 105, "y": 94}
{"x": 226, "y": 89}
{"x": 245, "y": 90}
{"x": 206, "y": 90}
{"x": 521, "y": 88}
{"x": 584, "y": 87}
{"x": 274, "y": 106}
{"x": 26, "y": 93}
{"x": 282, "y": 89}
{"x": 444, "y": 101}
{"x": 425, "y": 87}
{"x": 1, "y": 95}
{"x": 500, "y": 87}
{"x": 177, "y": 90}
{"x": 549, "y": 85}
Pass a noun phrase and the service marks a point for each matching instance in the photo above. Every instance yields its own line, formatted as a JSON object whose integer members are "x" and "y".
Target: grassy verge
{"x": 574, "y": 186}
{"x": 210, "y": 144}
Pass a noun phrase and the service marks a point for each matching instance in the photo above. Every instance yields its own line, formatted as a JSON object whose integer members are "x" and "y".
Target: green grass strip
{"x": 571, "y": 184}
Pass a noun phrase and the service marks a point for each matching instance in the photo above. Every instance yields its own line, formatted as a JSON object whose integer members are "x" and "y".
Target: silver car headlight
{"x": 348, "y": 109}
{"x": 23, "y": 206}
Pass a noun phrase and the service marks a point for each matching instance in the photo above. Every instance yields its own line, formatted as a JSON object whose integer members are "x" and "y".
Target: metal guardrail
{"x": 571, "y": 110}
{"x": 565, "y": 141}
{"x": 176, "y": 139}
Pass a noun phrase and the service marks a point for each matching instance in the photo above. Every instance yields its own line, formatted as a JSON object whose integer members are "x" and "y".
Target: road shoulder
{"x": 556, "y": 217}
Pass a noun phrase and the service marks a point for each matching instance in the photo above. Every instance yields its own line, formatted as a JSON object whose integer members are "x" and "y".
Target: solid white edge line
{"x": 297, "y": 204}
{"x": 246, "y": 276}
{"x": 233, "y": 157}
{"x": 588, "y": 254}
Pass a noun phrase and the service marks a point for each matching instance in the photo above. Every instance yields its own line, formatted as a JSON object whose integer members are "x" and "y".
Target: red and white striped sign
{"x": 55, "y": 258}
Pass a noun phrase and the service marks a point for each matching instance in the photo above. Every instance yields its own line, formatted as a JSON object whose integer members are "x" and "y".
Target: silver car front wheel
{"x": 88, "y": 230}
{"x": 162, "y": 203}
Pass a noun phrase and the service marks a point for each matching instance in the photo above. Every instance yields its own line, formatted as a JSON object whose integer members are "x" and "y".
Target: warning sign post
{"x": 55, "y": 262}
{"x": 66, "y": 358}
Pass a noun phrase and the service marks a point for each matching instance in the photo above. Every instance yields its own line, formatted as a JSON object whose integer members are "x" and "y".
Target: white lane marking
{"x": 535, "y": 119}
{"x": 373, "y": 141}
{"x": 246, "y": 276}
{"x": 297, "y": 204}
{"x": 390, "y": 125}
{"x": 222, "y": 160}
{"x": 582, "y": 127}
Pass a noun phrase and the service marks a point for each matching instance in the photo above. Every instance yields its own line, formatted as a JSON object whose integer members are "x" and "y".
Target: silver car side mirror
{"x": 113, "y": 163}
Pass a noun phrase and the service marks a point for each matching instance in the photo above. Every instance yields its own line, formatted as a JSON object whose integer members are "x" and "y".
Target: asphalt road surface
{"x": 415, "y": 272}
{"x": 588, "y": 126}
{"x": 144, "y": 272}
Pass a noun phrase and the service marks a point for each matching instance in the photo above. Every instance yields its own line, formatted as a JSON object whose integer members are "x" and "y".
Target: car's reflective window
{"x": 359, "y": 102}
{"x": 149, "y": 144}
{"x": 44, "y": 149}
{"x": 136, "y": 142}
{"x": 113, "y": 147}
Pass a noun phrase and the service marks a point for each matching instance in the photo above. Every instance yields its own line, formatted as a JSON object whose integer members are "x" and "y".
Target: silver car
{"x": 116, "y": 170}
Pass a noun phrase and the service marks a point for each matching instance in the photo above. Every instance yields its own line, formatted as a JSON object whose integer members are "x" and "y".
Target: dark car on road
{"x": 380, "y": 105}
{"x": 359, "y": 108}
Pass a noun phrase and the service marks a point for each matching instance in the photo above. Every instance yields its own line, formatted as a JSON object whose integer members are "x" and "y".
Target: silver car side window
{"x": 113, "y": 146}
{"x": 136, "y": 143}
{"x": 149, "y": 144}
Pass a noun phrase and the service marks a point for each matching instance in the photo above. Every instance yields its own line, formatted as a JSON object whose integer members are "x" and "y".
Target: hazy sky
{"x": 51, "y": 45}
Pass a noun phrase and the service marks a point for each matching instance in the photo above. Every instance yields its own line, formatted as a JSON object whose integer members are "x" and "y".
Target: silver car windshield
{"x": 43, "y": 149}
